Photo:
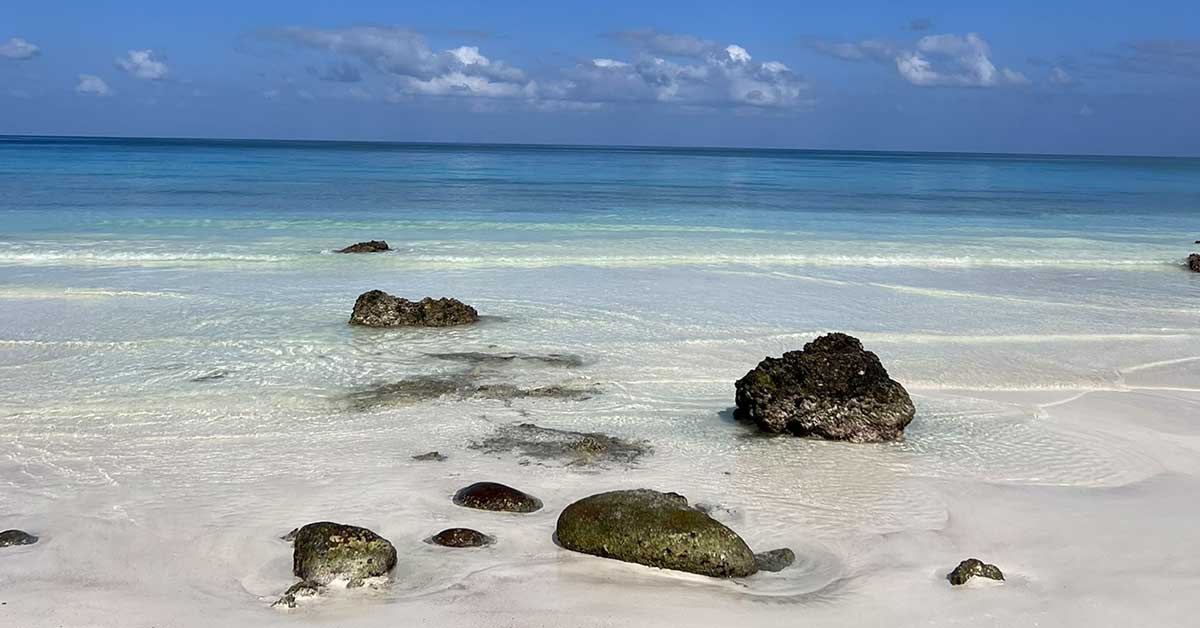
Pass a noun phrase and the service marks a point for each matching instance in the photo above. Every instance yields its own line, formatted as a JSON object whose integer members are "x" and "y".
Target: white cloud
{"x": 654, "y": 42}
{"x": 722, "y": 76}
{"x": 17, "y": 48}
{"x": 144, "y": 65}
{"x": 945, "y": 60}
{"x": 1086, "y": 111}
{"x": 403, "y": 53}
{"x": 91, "y": 84}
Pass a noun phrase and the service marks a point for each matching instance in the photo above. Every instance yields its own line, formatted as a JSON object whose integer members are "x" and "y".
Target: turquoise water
{"x": 175, "y": 361}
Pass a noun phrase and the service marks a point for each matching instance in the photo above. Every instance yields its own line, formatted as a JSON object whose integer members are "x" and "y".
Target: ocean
{"x": 180, "y": 385}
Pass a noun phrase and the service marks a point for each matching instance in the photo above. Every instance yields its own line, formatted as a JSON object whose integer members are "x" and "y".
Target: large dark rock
{"x": 497, "y": 497}
{"x": 326, "y": 551}
{"x": 374, "y": 246}
{"x": 972, "y": 567}
{"x": 461, "y": 537}
{"x": 1193, "y": 262}
{"x": 832, "y": 389}
{"x": 380, "y": 309}
{"x": 583, "y": 449}
{"x": 16, "y": 537}
{"x": 655, "y": 529}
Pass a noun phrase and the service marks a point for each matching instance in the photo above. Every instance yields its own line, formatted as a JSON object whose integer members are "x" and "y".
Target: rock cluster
{"x": 1193, "y": 262}
{"x": 380, "y": 309}
{"x": 582, "y": 449}
{"x": 832, "y": 389}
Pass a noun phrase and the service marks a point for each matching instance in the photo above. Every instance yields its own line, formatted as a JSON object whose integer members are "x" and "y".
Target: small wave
{"x": 52, "y": 258}
{"x": 20, "y": 292}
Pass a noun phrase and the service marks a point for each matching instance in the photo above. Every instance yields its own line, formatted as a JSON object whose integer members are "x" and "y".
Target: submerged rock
{"x": 326, "y": 551}
{"x": 655, "y": 529}
{"x": 497, "y": 497}
{"x": 1193, "y": 262}
{"x": 497, "y": 359}
{"x": 775, "y": 560}
{"x": 573, "y": 448}
{"x": 832, "y": 389}
{"x": 462, "y": 386}
{"x": 9, "y": 538}
{"x": 461, "y": 537}
{"x": 380, "y": 309}
{"x": 373, "y": 246}
{"x": 972, "y": 567}
{"x": 432, "y": 456}
{"x": 295, "y": 592}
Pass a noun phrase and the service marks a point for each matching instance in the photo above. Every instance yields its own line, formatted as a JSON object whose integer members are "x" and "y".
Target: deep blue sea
{"x": 179, "y": 386}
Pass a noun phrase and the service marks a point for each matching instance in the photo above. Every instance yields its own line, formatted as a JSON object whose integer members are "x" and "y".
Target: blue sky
{"x": 1075, "y": 76}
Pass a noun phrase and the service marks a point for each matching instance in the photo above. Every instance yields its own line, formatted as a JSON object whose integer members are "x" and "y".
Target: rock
{"x": 832, "y": 389}
{"x": 971, "y": 567}
{"x": 297, "y": 591}
{"x": 461, "y": 537}
{"x": 1193, "y": 262}
{"x": 432, "y": 456}
{"x": 498, "y": 497}
{"x": 374, "y": 246}
{"x": 655, "y": 529}
{"x": 462, "y": 386}
{"x": 16, "y": 537}
{"x": 573, "y": 448}
{"x": 380, "y": 309}
{"x": 775, "y": 560}
{"x": 326, "y": 551}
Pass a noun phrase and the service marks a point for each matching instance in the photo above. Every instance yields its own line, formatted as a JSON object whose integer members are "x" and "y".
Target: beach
{"x": 181, "y": 387}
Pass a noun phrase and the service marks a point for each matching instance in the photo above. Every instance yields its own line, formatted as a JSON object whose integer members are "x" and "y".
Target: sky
{"x": 1068, "y": 76}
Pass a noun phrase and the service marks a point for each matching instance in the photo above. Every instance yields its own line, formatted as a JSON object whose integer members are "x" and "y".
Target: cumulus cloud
{"x": 17, "y": 48}
{"x": 143, "y": 64}
{"x": 1059, "y": 76}
{"x": 404, "y": 54}
{"x": 705, "y": 75}
{"x": 93, "y": 85}
{"x": 663, "y": 68}
{"x": 945, "y": 60}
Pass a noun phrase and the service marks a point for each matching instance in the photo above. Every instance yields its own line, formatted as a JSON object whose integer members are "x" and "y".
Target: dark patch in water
{"x": 571, "y": 448}
{"x": 211, "y": 376}
{"x": 479, "y": 358}
{"x": 463, "y": 386}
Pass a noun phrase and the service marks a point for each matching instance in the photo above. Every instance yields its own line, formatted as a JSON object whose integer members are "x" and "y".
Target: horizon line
{"x": 547, "y": 145}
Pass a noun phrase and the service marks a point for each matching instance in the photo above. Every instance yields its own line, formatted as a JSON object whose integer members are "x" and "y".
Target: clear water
{"x": 175, "y": 360}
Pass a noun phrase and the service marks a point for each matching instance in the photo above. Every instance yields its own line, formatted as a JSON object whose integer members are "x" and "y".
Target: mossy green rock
{"x": 326, "y": 551}
{"x": 972, "y": 567}
{"x": 655, "y": 529}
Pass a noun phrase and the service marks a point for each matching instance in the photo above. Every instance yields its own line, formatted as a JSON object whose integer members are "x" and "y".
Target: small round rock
{"x": 496, "y": 497}
{"x": 461, "y": 537}
{"x": 16, "y": 537}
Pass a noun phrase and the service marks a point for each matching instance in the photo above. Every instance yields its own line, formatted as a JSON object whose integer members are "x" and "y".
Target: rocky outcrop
{"x": 433, "y": 456}
{"x": 1193, "y": 262}
{"x": 831, "y": 389}
{"x": 9, "y": 538}
{"x": 583, "y": 449}
{"x": 496, "y": 497}
{"x": 461, "y": 537}
{"x": 972, "y": 567}
{"x": 296, "y": 592}
{"x": 654, "y": 529}
{"x": 775, "y": 560}
{"x": 325, "y": 552}
{"x": 374, "y": 246}
{"x": 380, "y": 309}
{"x": 463, "y": 386}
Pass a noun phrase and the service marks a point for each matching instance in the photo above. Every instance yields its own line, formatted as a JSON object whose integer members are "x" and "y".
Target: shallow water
{"x": 179, "y": 378}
